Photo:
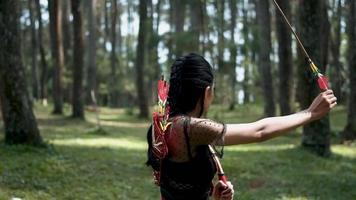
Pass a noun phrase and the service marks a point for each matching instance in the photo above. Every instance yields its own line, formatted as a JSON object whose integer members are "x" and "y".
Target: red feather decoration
{"x": 160, "y": 121}
{"x": 160, "y": 125}
{"x": 163, "y": 89}
{"x": 322, "y": 82}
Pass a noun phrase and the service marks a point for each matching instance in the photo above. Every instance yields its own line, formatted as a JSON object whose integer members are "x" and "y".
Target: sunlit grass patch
{"x": 115, "y": 143}
{"x": 272, "y": 147}
{"x": 347, "y": 151}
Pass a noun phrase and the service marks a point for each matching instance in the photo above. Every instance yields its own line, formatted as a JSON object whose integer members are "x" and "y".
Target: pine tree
{"x": 19, "y": 120}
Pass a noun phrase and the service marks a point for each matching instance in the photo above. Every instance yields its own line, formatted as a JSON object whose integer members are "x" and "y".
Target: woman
{"x": 187, "y": 171}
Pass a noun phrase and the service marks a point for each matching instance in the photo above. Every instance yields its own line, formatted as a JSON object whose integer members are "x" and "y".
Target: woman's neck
{"x": 197, "y": 112}
{"x": 194, "y": 113}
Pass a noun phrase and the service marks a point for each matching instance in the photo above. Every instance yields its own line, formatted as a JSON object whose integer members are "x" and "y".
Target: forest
{"x": 78, "y": 84}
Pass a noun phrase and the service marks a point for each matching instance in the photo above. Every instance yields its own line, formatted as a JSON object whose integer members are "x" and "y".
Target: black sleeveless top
{"x": 191, "y": 179}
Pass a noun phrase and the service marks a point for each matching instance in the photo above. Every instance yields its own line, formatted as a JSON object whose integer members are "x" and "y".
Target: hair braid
{"x": 175, "y": 84}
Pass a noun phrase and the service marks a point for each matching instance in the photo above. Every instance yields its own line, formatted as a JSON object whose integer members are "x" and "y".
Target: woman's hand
{"x": 223, "y": 191}
{"x": 322, "y": 104}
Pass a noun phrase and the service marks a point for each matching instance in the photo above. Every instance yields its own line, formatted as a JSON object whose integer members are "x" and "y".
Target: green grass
{"x": 80, "y": 163}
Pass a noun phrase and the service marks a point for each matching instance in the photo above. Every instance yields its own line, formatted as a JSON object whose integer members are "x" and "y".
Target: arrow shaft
{"x": 293, "y": 31}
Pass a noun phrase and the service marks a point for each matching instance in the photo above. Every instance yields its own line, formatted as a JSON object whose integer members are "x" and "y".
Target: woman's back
{"x": 187, "y": 171}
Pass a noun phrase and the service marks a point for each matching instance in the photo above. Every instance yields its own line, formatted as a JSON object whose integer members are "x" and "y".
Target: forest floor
{"x": 80, "y": 163}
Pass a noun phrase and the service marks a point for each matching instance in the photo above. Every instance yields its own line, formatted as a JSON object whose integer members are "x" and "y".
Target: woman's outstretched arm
{"x": 268, "y": 128}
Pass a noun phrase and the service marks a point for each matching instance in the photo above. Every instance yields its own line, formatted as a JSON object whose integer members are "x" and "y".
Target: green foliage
{"x": 78, "y": 165}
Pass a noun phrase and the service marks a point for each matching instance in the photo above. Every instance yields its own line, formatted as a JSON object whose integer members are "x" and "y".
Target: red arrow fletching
{"x": 323, "y": 82}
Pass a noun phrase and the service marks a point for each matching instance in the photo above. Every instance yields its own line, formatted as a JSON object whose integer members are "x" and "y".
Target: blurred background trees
{"x": 119, "y": 48}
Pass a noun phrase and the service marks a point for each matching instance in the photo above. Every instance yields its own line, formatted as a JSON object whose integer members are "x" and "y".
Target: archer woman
{"x": 186, "y": 172}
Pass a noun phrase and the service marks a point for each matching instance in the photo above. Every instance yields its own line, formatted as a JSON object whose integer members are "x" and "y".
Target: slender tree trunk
{"x": 325, "y": 36}
{"x": 223, "y": 78}
{"x": 233, "y": 52}
{"x": 349, "y": 132}
{"x": 55, "y": 15}
{"x": 179, "y": 10}
{"x": 152, "y": 49}
{"x": 19, "y": 120}
{"x": 316, "y": 135}
{"x": 113, "y": 59}
{"x": 204, "y": 26}
{"x": 245, "y": 51}
{"x": 128, "y": 38}
{"x": 44, "y": 76}
{"x": 285, "y": 64}
{"x": 336, "y": 65}
{"x": 34, "y": 47}
{"x": 264, "y": 22}
{"x": 171, "y": 33}
{"x": 140, "y": 60}
{"x": 78, "y": 61}
{"x": 157, "y": 39}
{"x": 118, "y": 57}
{"x": 91, "y": 77}
{"x": 106, "y": 23}
{"x": 67, "y": 49}
{"x": 67, "y": 38}
{"x": 196, "y": 13}
{"x": 253, "y": 26}
{"x": 220, "y": 8}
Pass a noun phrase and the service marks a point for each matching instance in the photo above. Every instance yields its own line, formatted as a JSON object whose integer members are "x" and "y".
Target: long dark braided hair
{"x": 190, "y": 75}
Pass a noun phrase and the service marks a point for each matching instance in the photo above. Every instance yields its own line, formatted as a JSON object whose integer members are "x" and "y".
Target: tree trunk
{"x": 254, "y": 46}
{"x": 106, "y": 23}
{"x": 220, "y": 9}
{"x": 152, "y": 49}
{"x": 34, "y": 46}
{"x": 129, "y": 49}
{"x": 349, "y": 132}
{"x": 67, "y": 50}
{"x": 336, "y": 65}
{"x": 223, "y": 78}
{"x": 179, "y": 18}
{"x": 140, "y": 60}
{"x": 285, "y": 64}
{"x": 157, "y": 39}
{"x": 316, "y": 135}
{"x": 264, "y": 62}
{"x": 196, "y": 14}
{"x": 171, "y": 32}
{"x": 19, "y": 121}
{"x": 245, "y": 51}
{"x": 78, "y": 61}
{"x": 119, "y": 70}
{"x": 204, "y": 26}
{"x": 91, "y": 77}
{"x": 113, "y": 59}
{"x": 233, "y": 52}
{"x": 67, "y": 37}
{"x": 43, "y": 79}
{"x": 55, "y": 16}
